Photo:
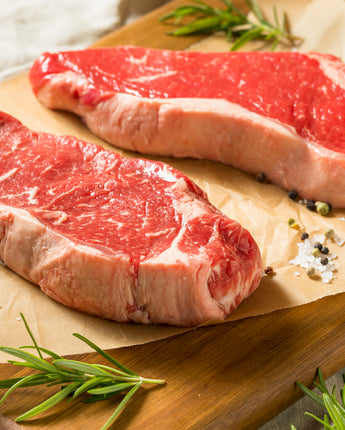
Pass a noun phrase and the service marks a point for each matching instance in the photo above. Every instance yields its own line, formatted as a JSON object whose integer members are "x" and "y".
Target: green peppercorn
{"x": 322, "y": 208}
{"x": 329, "y": 233}
{"x": 310, "y": 271}
{"x": 292, "y": 223}
{"x": 315, "y": 252}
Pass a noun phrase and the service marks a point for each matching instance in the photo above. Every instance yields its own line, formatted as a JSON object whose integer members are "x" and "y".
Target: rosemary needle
{"x": 237, "y": 25}
{"x": 75, "y": 378}
{"x": 329, "y": 401}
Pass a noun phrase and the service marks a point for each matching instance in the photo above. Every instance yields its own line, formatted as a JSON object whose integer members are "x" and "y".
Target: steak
{"x": 123, "y": 239}
{"x": 280, "y": 113}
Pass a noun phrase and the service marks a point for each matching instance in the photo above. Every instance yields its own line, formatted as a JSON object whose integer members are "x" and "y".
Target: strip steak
{"x": 124, "y": 239}
{"x": 279, "y": 113}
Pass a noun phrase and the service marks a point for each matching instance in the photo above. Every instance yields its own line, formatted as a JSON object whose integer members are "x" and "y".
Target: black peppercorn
{"x": 293, "y": 195}
{"x": 324, "y": 260}
{"x": 311, "y": 205}
{"x": 318, "y": 245}
{"x": 304, "y": 236}
{"x": 261, "y": 177}
{"x": 324, "y": 250}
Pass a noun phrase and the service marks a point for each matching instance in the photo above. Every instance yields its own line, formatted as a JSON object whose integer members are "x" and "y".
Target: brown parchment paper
{"x": 263, "y": 209}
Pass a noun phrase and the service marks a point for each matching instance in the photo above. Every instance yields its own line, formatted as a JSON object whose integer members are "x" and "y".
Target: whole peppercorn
{"x": 329, "y": 233}
{"x": 324, "y": 260}
{"x": 311, "y": 205}
{"x": 324, "y": 250}
{"x": 318, "y": 245}
{"x": 268, "y": 270}
{"x": 315, "y": 252}
{"x": 293, "y": 195}
{"x": 322, "y": 208}
{"x": 304, "y": 236}
{"x": 261, "y": 177}
{"x": 310, "y": 271}
{"x": 292, "y": 223}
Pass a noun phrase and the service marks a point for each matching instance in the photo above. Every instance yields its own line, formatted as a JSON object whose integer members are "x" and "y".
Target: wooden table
{"x": 234, "y": 375}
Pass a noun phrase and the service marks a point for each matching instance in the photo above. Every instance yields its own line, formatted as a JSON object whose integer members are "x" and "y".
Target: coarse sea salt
{"x": 306, "y": 259}
{"x": 338, "y": 240}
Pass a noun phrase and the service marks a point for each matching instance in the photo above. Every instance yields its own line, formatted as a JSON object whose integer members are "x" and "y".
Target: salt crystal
{"x": 338, "y": 240}
{"x": 305, "y": 259}
{"x": 318, "y": 238}
{"x": 326, "y": 277}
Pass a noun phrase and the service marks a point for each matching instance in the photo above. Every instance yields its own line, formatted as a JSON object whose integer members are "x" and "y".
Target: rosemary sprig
{"x": 75, "y": 377}
{"x": 329, "y": 401}
{"x": 237, "y": 25}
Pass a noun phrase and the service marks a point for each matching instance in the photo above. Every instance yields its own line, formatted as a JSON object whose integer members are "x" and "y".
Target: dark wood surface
{"x": 231, "y": 376}
{"x": 235, "y": 375}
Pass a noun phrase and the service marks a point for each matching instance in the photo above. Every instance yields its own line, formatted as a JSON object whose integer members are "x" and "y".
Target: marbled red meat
{"x": 124, "y": 239}
{"x": 280, "y": 113}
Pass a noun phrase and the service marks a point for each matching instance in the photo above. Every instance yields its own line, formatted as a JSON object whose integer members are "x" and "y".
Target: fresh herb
{"x": 236, "y": 24}
{"x": 74, "y": 377}
{"x": 329, "y": 401}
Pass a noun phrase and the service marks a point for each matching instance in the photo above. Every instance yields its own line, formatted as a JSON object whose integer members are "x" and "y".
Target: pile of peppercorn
{"x": 322, "y": 208}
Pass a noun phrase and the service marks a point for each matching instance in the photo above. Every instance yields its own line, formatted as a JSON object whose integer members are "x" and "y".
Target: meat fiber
{"x": 282, "y": 114}
{"x": 124, "y": 239}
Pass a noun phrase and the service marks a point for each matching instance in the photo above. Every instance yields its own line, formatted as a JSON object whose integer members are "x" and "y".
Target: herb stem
{"x": 75, "y": 378}
{"x": 231, "y": 20}
{"x": 152, "y": 381}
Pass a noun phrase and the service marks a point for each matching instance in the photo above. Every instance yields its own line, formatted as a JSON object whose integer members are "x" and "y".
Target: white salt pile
{"x": 321, "y": 264}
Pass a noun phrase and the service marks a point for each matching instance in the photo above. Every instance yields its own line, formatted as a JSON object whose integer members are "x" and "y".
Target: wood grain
{"x": 234, "y": 375}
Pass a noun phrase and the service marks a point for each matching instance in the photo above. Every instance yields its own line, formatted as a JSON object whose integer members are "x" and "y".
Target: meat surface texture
{"x": 282, "y": 114}
{"x": 123, "y": 239}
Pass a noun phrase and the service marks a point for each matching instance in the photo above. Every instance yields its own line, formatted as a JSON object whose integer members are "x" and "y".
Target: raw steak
{"x": 282, "y": 114}
{"x": 124, "y": 239}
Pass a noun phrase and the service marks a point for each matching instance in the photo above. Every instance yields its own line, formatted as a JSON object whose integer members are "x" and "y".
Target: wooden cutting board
{"x": 234, "y": 375}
